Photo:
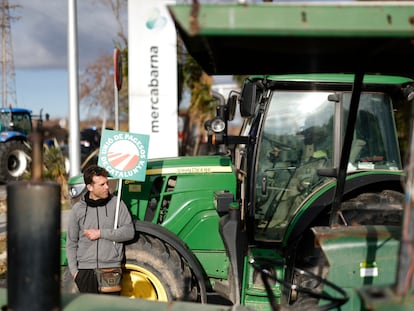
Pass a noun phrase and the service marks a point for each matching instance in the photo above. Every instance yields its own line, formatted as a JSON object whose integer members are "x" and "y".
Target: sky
{"x": 39, "y": 40}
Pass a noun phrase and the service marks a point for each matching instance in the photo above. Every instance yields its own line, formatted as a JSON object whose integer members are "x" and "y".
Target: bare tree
{"x": 97, "y": 87}
{"x": 97, "y": 81}
{"x": 118, "y": 8}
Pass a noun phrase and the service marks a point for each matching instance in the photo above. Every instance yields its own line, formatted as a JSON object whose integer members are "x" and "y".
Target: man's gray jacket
{"x": 103, "y": 253}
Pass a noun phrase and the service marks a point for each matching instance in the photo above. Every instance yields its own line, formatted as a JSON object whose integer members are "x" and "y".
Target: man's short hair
{"x": 91, "y": 171}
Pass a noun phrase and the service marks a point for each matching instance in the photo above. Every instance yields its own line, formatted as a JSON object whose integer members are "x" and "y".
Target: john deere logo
{"x": 124, "y": 155}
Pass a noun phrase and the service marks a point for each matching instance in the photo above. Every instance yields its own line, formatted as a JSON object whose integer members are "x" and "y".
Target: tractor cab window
{"x": 4, "y": 121}
{"x": 297, "y": 140}
{"x": 22, "y": 122}
{"x": 374, "y": 144}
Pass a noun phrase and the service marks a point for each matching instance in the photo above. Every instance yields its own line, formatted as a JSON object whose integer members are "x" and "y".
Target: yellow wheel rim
{"x": 138, "y": 282}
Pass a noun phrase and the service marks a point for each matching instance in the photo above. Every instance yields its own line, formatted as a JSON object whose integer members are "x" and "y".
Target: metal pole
{"x": 405, "y": 271}
{"x": 116, "y": 107}
{"x": 74, "y": 137}
{"x": 4, "y": 54}
{"x": 117, "y": 84}
{"x": 33, "y": 240}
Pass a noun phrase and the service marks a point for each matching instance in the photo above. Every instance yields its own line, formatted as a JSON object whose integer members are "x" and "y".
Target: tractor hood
{"x": 196, "y": 165}
{"x": 272, "y": 38}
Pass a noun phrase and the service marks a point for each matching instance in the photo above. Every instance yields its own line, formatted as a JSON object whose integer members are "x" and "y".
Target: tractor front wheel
{"x": 154, "y": 270}
{"x": 14, "y": 160}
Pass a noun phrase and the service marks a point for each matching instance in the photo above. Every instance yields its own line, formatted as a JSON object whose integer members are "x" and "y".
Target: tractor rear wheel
{"x": 383, "y": 208}
{"x": 154, "y": 270}
{"x": 14, "y": 160}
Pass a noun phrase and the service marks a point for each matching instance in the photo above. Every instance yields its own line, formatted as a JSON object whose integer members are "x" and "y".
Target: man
{"x": 92, "y": 242}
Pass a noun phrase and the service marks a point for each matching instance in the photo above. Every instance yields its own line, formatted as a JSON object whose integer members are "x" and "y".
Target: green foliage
{"x": 54, "y": 168}
{"x": 54, "y": 162}
{"x": 202, "y": 106}
{"x": 199, "y": 84}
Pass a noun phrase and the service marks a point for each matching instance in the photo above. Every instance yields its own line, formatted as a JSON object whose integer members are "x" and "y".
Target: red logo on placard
{"x": 125, "y": 160}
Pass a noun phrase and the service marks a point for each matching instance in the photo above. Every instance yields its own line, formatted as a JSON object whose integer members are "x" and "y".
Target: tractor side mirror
{"x": 248, "y": 99}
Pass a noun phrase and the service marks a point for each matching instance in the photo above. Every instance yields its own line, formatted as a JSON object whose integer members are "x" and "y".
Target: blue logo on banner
{"x": 156, "y": 20}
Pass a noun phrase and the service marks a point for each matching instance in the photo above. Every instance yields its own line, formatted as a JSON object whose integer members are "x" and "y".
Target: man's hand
{"x": 92, "y": 234}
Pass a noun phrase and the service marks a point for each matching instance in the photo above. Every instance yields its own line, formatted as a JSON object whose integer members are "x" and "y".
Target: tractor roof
{"x": 15, "y": 110}
{"x": 336, "y": 78}
{"x": 273, "y": 38}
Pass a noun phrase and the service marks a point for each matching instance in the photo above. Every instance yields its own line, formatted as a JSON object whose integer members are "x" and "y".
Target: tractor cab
{"x": 15, "y": 121}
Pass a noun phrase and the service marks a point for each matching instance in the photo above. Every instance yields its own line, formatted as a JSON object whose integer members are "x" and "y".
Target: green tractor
{"x": 305, "y": 205}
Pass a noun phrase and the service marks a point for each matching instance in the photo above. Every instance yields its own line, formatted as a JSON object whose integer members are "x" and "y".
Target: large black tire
{"x": 14, "y": 160}
{"x": 385, "y": 208}
{"x": 154, "y": 270}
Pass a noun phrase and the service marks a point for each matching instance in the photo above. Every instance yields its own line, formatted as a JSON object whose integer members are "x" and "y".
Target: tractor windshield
{"x": 17, "y": 121}
{"x": 303, "y": 132}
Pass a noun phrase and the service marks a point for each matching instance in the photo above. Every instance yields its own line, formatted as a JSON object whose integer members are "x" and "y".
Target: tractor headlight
{"x": 218, "y": 125}
{"x": 76, "y": 190}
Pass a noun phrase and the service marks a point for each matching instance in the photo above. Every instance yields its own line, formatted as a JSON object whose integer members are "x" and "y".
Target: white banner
{"x": 152, "y": 73}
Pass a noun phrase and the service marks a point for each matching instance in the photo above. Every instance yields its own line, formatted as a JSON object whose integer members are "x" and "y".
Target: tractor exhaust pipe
{"x": 33, "y": 240}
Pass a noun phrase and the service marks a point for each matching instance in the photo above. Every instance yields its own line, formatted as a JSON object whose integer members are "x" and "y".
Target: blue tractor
{"x": 15, "y": 128}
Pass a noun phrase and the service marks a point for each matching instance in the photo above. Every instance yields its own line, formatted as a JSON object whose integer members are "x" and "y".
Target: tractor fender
{"x": 7, "y": 136}
{"x": 355, "y": 185}
{"x": 167, "y": 236}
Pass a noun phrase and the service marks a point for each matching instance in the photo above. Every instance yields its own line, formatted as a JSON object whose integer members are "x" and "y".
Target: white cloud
{"x": 40, "y": 35}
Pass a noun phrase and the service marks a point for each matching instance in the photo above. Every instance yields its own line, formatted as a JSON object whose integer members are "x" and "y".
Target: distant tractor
{"x": 90, "y": 139}
{"x": 15, "y": 127}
